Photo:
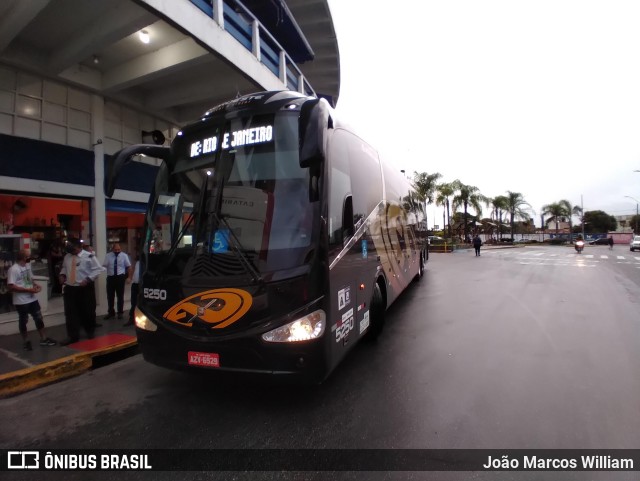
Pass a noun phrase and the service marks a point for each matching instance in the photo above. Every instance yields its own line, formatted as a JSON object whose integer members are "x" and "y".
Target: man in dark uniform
{"x": 477, "y": 242}
{"x": 117, "y": 264}
{"x": 79, "y": 272}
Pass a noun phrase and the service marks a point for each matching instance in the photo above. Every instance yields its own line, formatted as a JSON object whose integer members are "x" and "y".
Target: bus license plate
{"x": 207, "y": 359}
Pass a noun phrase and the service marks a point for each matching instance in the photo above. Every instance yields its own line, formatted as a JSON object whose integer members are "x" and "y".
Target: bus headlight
{"x": 306, "y": 328}
{"x": 143, "y": 322}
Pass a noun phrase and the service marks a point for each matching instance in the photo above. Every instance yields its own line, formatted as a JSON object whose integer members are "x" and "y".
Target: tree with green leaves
{"x": 598, "y": 221}
{"x": 571, "y": 210}
{"x": 425, "y": 185}
{"x": 500, "y": 205}
{"x": 558, "y": 213}
{"x": 444, "y": 193}
{"x": 516, "y": 206}
{"x": 467, "y": 195}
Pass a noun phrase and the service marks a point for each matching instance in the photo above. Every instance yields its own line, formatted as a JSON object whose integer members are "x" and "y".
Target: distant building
{"x": 624, "y": 223}
{"x": 563, "y": 228}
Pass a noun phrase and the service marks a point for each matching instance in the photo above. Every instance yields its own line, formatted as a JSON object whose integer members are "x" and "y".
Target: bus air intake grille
{"x": 220, "y": 265}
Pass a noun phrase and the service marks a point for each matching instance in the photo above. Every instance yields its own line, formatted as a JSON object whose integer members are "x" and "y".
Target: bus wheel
{"x": 376, "y": 313}
{"x": 420, "y": 269}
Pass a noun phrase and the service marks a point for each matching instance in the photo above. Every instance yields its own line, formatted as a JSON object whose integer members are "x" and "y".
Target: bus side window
{"x": 339, "y": 191}
{"x": 347, "y": 219}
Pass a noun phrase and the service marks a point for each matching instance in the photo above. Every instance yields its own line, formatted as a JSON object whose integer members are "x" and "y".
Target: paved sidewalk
{"x": 21, "y": 370}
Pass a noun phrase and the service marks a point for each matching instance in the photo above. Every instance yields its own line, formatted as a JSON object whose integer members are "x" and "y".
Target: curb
{"x": 18, "y": 382}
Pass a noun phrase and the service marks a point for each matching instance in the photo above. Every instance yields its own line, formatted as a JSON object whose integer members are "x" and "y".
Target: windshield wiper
{"x": 174, "y": 245}
{"x": 239, "y": 250}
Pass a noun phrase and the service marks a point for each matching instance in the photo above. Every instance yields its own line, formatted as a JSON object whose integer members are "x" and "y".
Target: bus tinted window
{"x": 340, "y": 188}
{"x": 367, "y": 184}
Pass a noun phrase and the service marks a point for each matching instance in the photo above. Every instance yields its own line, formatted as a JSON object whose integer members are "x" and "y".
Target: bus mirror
{"x": 124, "y": 156}
{"x": 314, "y": 117}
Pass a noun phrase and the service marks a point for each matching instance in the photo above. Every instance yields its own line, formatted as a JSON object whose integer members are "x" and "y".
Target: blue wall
{"x": 38, "y": 160}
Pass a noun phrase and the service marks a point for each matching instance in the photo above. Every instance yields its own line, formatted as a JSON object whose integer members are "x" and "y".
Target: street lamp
{"x": 635, "y": 231}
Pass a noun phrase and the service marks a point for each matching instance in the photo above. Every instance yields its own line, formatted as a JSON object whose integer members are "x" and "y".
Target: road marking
{"x": 15, "y": 357}
{"x": 621, "y": 257}
{"x": 589, "y": 256}
{"x": 604, "y": 257}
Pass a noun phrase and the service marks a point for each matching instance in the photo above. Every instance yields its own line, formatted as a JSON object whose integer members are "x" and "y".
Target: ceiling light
{"x": 144, "y": 36}
{"x": 96, "y": 60}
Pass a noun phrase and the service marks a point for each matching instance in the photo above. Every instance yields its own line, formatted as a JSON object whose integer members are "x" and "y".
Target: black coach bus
{"x": 275, "y": 240}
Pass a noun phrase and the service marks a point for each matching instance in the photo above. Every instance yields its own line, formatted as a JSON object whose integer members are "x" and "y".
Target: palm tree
{"x": 515, "y": 207}
{"x": 558, "y": 212}
{"x": 425, "y": 185}
{"x": 571, "y": 211}
{"x": 468, "y": 195}
{"x": 445, "y": 190}
{"x": 500, "y": 204}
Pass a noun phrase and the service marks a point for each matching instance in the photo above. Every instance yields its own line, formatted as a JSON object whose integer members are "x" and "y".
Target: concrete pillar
{"x": 99, "y": 214}
{"x": 218, "y": 12}
{"x": 283, "y": 68}
{"x": 255, "y": 39}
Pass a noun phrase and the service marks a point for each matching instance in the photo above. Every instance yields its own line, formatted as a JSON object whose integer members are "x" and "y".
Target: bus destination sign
{"x": 230, "y": 140}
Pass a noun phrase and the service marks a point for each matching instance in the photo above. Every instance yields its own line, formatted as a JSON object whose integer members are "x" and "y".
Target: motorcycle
{"x": 579, "y": 245}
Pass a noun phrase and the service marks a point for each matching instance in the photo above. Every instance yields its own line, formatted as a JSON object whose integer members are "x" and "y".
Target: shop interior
{"x": 42, "y": 224}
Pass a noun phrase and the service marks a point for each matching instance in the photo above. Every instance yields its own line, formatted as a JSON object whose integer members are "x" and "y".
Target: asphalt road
{"x": 526, "y": 348}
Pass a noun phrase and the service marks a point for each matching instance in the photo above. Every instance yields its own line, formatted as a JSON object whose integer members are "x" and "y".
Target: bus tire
{"x": 376, "y": 313}
{"x": 420, "y": 269}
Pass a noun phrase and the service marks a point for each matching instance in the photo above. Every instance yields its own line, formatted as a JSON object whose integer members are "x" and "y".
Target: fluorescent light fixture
{"x": 144, "y": 36}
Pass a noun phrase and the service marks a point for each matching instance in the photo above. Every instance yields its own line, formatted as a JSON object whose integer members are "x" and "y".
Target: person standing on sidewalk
{"x": 477, "y": 242}
{"x": 24, "y": 289}
{"x": 135, "y": 283}
{"x": 94, "y": 259}
{"x": 79, "y": 272}
{"x": 117, "y": 264}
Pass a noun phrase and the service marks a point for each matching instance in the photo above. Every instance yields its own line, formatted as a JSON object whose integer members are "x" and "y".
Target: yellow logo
{"x": 218, "y": 307}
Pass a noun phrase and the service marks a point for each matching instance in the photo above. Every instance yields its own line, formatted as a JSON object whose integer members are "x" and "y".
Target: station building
{"x": 81, "y": 79}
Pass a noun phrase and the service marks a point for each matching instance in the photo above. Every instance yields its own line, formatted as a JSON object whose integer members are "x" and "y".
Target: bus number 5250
{"x": 159, "y": 294}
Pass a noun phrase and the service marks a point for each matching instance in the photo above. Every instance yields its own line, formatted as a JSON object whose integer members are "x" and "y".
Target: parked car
{"x": 635, "y": 243}
{"x": 602, "y": 241}
{"x": 434, "y": 239}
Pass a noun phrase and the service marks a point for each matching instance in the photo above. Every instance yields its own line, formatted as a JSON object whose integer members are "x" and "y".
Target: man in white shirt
{"x": 117, "y": 264}
{"x": 79, "y": 272}
{"x": 24, "y": 289}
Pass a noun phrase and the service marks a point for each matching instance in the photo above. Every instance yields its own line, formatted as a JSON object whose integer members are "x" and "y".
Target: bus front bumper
{"x": 247, "y": 357}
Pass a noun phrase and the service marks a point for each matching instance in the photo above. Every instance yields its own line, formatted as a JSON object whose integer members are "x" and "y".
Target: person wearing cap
{"x": 79, "y": 272}
{"x": 24, "y": 289}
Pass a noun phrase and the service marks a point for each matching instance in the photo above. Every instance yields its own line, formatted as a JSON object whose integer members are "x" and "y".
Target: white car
{"x": 635, "y": 243}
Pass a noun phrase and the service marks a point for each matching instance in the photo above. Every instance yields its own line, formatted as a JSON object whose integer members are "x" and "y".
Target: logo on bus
{"x": 344, "y": 298}
{"x": 219, "y": 307}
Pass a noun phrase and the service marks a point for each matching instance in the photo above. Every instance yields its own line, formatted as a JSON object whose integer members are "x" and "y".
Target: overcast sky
{"x": 538, "y": 97}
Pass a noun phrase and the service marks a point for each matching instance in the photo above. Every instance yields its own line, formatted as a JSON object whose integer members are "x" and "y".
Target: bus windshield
{"x": 236, "y": 196}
